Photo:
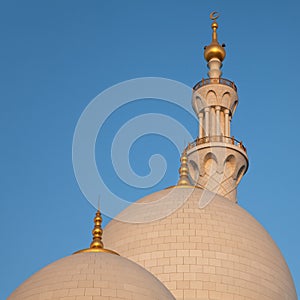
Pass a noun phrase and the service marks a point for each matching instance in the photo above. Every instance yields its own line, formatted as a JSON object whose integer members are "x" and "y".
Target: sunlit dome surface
{"x": 217, "y": 252}
{"x": 92, "y": 276}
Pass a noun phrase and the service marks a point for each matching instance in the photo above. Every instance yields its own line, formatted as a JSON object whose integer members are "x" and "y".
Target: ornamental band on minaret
{"x": 217, "y": 161}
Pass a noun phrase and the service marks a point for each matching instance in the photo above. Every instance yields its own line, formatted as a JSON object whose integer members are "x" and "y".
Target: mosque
{"x": 207, "y": 248}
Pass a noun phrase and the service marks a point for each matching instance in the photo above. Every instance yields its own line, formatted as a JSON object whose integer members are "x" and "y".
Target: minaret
{"x": 217, "y": 161}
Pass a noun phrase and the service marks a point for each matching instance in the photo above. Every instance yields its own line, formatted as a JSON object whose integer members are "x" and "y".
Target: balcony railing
{"x": 214, "y": 80}
{"x": 210, "y": 139}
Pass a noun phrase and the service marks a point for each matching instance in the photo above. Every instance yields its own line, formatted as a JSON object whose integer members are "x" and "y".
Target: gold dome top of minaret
{"x": 214, "y": 50}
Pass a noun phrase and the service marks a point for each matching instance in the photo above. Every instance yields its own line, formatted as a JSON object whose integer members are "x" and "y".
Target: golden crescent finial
{"x": 214, "y": 15}
{"x": 214, "y": 50}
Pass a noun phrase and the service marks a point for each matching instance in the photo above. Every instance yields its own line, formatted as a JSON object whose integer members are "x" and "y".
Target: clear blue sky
{"x": 58, "y": 55}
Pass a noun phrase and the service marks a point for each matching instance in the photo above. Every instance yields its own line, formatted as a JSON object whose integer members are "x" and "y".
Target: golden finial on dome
{"x": 214, "y": 50}
{"x": 184, "y": 171}
{"x": 97, "y": 244}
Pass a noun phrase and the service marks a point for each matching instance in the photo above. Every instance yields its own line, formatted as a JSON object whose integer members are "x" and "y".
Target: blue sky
{"x": 56, "y": 56}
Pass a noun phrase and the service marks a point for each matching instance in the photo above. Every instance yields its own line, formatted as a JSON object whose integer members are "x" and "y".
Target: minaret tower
{"x": 217, "y": 161}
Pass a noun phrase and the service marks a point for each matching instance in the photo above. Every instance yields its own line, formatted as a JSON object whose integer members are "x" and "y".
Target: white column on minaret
{"x": 222, "y": 121}
{"x": 218, "y": 123}
{"x": 226, "y": 114}
{"x": 200, "y": 124}
{"x": 206, "y": 117}
{"x": 212, "y": 121}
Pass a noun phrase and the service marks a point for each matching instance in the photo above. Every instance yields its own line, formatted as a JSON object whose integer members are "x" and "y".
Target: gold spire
{"x": 184, "y": 171}
{"x": 214, "y": 50}
{"x": 97, "y": 244}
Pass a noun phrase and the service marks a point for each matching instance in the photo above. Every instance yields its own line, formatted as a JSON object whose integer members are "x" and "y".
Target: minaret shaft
{"x": 217, "y": 161}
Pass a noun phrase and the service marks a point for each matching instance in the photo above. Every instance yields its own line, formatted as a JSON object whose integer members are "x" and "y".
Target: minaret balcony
{"x": 217, "y": 163}
{"x": 217, "y": 139}
{"x": 206, "y": 81}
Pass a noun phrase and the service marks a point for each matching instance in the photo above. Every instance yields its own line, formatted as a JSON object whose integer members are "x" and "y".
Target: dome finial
{"x": 214, "y": 50}
{"x": 97, "y": 232}
{"x": 97, "y": 244}
{"x": 184, "y": 170}
{"x": 214, "y": 16}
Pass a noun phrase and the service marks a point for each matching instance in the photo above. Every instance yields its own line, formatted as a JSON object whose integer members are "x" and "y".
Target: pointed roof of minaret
{"x": 214, "y": 50}
{"x": 97, "y": 244}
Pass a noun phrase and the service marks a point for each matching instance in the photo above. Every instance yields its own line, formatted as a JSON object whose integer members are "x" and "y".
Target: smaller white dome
{"x": 92, "y": 276}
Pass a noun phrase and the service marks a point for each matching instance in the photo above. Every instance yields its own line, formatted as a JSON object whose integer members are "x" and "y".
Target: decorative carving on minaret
{"x": 217, "y": 161}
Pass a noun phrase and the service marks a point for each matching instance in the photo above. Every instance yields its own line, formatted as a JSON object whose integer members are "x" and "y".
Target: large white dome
{"x": 92, "y": 276}
{"x": 217, "y": 252}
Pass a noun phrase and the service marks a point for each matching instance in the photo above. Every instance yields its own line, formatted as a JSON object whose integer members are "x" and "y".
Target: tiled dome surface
{"x": 92, "y": 276}
{"x": 217, "y": 252}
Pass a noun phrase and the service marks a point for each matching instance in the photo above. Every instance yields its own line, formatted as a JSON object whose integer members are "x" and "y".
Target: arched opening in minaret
{"x": 210, "y": 164}
{"x": 229, "y": 166}
{"x": 240, "y": 174}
